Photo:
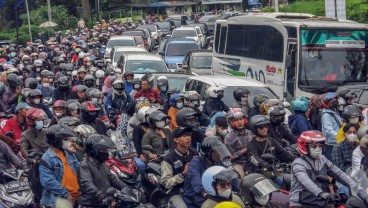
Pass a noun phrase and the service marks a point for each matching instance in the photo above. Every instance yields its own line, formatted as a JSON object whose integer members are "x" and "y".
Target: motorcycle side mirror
{"x": 110, "y": 191}
{"x": 323, "y": 179}
{"x": 268, "y": 157}
{"x": 147, "y": 147}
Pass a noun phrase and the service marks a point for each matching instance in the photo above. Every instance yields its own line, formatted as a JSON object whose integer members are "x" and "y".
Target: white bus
{"x": 294, "y": 54}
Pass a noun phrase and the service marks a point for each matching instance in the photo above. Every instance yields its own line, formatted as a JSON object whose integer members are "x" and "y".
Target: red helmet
{"x": 309, "y": 137}
{"x": 59, "y": 104}
{"x": 35, "y": 114}
{"x": 326, "y": 98}
{"x": 89, "y": 106}
{"x": 234, "y": 114}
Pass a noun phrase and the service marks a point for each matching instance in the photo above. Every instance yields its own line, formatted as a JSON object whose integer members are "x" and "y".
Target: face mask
{"x": 315, "y": 153}
{"x": 59, "y": 114}
{"x": 351, "y": 137}
{"x": 263, "y": 200}
{"x": 39, "y": 125}
{"x": 340, "y": 108}
{"x": 160, "y": 124}
{"x": 38, "y": 69}
{"x": 225, "y": 194}
{"x": 354, "y": 120}
{"x": 334, "y": 104}
{"x": 223, "y": 132}
{"x": 279, "y": 120}
{"x": 46, "y": 85}
{"x": 36, "y": 101}
{"x": 179, "y": 105}
{"x": 163, "y": 89}
{"x": 220, "y": 96}
{"x": 129, "y": 81}
{"x": 66, "y": 144}
{"x": 102, "y": 156}
{"x": 68, "y": 72}
{"x": 95, "y": 100}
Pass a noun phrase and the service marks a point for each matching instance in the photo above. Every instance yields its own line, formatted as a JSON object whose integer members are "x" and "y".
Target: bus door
{"x": 290, "y": 66}
{"x": 222, "y": 33}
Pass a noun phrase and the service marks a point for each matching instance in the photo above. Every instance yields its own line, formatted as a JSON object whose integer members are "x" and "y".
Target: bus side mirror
{"x": 288, "y": 61}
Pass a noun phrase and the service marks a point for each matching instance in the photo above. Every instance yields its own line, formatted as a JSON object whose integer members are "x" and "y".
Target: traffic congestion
{"x": 232, "y": 110}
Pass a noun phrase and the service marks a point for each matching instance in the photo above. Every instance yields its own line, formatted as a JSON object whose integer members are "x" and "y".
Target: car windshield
{"x": 145, "y": 66}
{"x": 177, "y": 82}
{"x": 202, "y": 62}
{"x": 254, "y": 91}
{"x": 151, "y": 28}
{"x": 331, "y": 57}
{"x": 163, "y": 25}
{"x": 119, "y": 53}
{"x": 180, "y": 49}
{"x": 138, "y": 40}
{"x": 121, "y": 42}
{"x": 134, "y": 33}
{"x": 184, "y": 33}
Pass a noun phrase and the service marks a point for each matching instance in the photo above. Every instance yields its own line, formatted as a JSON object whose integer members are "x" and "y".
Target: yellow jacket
{"x": 340, "y": 134}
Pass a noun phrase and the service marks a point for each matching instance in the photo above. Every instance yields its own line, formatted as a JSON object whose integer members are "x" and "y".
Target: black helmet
{"x": 156, "y": 116}
{"x": 83, "y": 132}
{"x": 63, "y": 82}
{"x": 255, "y": 186}
{"x": 30, "y": 83}
{"x": 89, "y": 80}
{"x": 187, "y": 117}
{"x": 213, "y": 143}
{"x": 56, "y": 133}
{"x": 256, "y": 121}
{"x": 73, "y": 106}
{"x": 95, "y": 143}
{"x": 240, "y": 92}
{"x": 35, "y": 93}
{"x": 276, "y": 111}
{"x": 13, "y": 81}
{"x": 110, "y": 72}
{"x": 94, "y": 93}
{"x": 70, "y": 121}
{"x": 259, "y": 99}
{"x": 352, "y": 111}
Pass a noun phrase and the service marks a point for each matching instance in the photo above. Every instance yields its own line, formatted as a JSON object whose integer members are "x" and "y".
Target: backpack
{"x": 320, "y": 119}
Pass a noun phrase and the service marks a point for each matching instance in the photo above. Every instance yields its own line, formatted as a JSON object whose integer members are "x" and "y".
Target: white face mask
{"x": 223, "y": 132}
{"x": 66, "y": 144}
{"x": 263, "y": 200}
{"x": 351, "y": 137}
{"x": 180, "y": 105}
{"x": 354, "y": 120}
{"x": 46, "y": 85}
{"x": 340, "y": 108}
{"x": 58, "y": 114}
{"x": 225, "y": 194}
{"x": 315, "y": 153}
{"x": 36, "y": 101}
{"x": 160, "y": 124}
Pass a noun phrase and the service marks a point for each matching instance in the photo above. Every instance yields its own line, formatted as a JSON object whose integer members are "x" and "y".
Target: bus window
{"x": 222, "y": 40}
{"x": 217, "y": 37}
{"x": 274, "y": 45}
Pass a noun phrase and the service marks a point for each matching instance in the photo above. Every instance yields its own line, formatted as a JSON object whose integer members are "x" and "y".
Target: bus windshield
{"x": 330, "y": 57}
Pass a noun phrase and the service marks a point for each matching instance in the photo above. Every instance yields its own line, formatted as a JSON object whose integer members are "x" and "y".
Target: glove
{"x": 270, "y": 167}
{"x": 107, "y": 201}
{"x": 329, "y": 197}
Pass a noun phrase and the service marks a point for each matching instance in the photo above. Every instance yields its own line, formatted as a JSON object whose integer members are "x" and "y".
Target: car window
{"x": 204, "y": 93}
{"x": 184, "y": 33}
{"x": 199, "y": 87}
{"x": 363, "y": 99}
{"x": 121, "y": 42}
{"x": 202, "y": 61}
{"x": 188, "y": 85}
{"x": 180, "y": 49}
{"x": 145, "y": 66}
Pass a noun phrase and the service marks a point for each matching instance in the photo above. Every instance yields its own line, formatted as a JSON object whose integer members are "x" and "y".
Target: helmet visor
{"x": 222, "y": 151}
{"x": 263, "y": 188}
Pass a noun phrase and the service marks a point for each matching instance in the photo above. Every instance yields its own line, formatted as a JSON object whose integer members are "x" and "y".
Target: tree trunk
{"x": 86, "y": 6}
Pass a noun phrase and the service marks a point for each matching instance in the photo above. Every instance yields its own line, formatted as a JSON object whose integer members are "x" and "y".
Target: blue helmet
{"x": 174, "y": 97}
{"x": 300, "y": 104}
{"x": 208, "y": 179}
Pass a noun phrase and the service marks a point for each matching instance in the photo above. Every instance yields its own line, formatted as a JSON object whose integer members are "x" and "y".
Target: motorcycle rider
{"x": 59, "y": 109}
{"x": 175, "y": 164}
{"x": 35, "y": 100}
{"x": 256, "y": 191}
{"x": 163, "y": 87}
{"x": 58, "y": 169}
{"x": 305, "y": 190}
{"x": 360, "y": 153}
{"x": 35, "y": 137}
{"x": 92, "y": 169}
{"x": 8, "y": 158}
{"x": 10, "y": 96}
{"x": 213, "y": 151}
{"x": 237, "y": 139}
{"x": 351, "y": 114}
{"x": 277, "y": 129}
{"x": 17, "y": 124}
{"x": 220, "y": 126}
{"x": 213, "y": 102}
{"x": 216, "y": 181}
{"x": 79, "y": 92}
{"x": 81, "y": 72}
{"x": 240, "y": 95}
{"x": 89, "y": 115}
{"x": 82, "y": 131}
{"x": 298, "y": 122}
{"x": 147, "y": 92}
{"x": 46, "y": 87}
{"x": 128, "y": 78}
{"x": 257, "y": 101}
{"x": 118, "y": 98}
{"x": 63, "y": 90}
{"x": 176, "y": 102}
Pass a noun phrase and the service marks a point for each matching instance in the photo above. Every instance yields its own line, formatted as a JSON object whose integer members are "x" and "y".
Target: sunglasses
{"x": 263, "y": 126}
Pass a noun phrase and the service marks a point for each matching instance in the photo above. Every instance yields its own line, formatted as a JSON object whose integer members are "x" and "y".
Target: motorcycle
{"x": 359, "y": 198}
{"x": 280, "y": 169}
{"x": 15, "y": 189}
{"x": 127, "y": 198}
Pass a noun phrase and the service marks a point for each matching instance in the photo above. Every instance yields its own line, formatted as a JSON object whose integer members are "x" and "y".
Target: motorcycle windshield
{"x": 361, "y": 188}
{"x": 124, "y": 146}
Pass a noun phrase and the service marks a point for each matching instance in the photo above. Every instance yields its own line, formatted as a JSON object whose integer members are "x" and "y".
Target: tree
{"x": 86, "y": 7}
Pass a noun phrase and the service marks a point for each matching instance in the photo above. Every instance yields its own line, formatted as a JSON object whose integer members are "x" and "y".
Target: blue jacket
{"x": 329, "y": 125}
{"x": 128, "y": 87}
{"x": 51, "y": 176}
{"x": 46, "y": 92}
{"x": 117, "y": 102}
{"x": 193, "y": 188}
{"x": 298, "y": 123}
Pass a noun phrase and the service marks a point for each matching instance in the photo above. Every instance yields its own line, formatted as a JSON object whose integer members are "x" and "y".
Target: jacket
{"x": 342, "y": 155}
{"x": 213, "y": 105}
{"x": 45, "y": 108}
{"x": 51, "y": 175}
{"x": 253, "y": 111}
{"x": 117, "y": 102}
{"x": 128, "y": 87}
{"x": 62, "y": 94}
{"x": 133, "y": 121}
{"x": 340, "y": 134}
{"x": 298, "y": 123}
{"x": 10, "y": 98}
{"x": 172, "y": 113}
{"x": 46, "y": 92}
{"x": 90, "y": 174}
{"x": 329, "y": 125}
{"x": 158, "y": 144}
{"x": 193, "y": 189}
{"x": 244, "y": 107}
{"x": 33, "y": 139}
{"x": 8, "y": 158}
{"x": 281, "y": 133}
{"x": 236, "y": 142}
{"x": 303, "y": 177}
{"x": 13, "y": 125}
{"x": 149, "y": 94}
{"x": 98, "y": 125}
{"x": 356, "y": 162}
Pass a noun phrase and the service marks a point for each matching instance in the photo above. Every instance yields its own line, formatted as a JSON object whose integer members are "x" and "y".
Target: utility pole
{"x": 49, "y": 10}
{"x": 29, "y": 21}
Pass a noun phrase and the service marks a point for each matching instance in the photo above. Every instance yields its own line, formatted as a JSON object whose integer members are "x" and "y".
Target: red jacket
{"x": 149, "y": 94}
{"x": 12, "y": 125}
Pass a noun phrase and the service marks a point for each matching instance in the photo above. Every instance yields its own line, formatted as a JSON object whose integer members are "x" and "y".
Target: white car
{"x": 119, "y": 41}
{"x": 194, "y": 33}
{"x": 141, "y": 64}
{"x": 117, "y": 51}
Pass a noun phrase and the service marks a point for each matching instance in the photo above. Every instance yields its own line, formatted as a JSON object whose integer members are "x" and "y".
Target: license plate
{"x": 15, "y": 186}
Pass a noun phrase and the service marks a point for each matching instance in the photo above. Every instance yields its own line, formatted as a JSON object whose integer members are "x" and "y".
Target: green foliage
{"x": 357, "y": 10}
{"x": 310, "y": 7}
{"x": 268, "y": 9}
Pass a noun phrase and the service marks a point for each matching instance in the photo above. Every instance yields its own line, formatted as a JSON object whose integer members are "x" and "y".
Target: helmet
{"x": 34, "y": 114}
{"x": 156, "y": 116}
{"x": 63, "y": 82}
{"x": 35, "y": 93}
{"x": 89, "y": 80}
{"x": 59, "y": 104}
{"x": 265, "y": 106}
{"x": 213, "y": 143}
{"x": 13, "y": 81}
{"x": 175, "y": 97}
{"x": 227, "y": 204}
{"x": 70, "y": 121}
{"x": 352, "y": 111}
{"x": 142, "y": 113}
{"x": 2, "y": 88}
{"x": 118, "y": 85}
{"x": 162, "y": 82}
{"x": 100, "y": 73}
{"x": 30, "y": 83}
{"x": 56, "y": 133}
{"x": 300, "y": 104}
{"x": 44, "y": 73}
{"x": 362, "y": 131}
{"x": 110, "y": 72}
{"x": 257, "y": 120}
{"x": 81, "y": 70}
{"x": 126, "y": 74}
{"x": 187, "y": 117}
{"x": 326, "y": 98}
{"x": 240, "y": 92}
{"x": 12, "y": 70}
{"x": 214, "y": 91}
{"x": 234, "y": 114}
{"x": 259, "y": 99}
{"x": 89, "y": 106}
{"x": 255, "y": 186}
{"x": 95, "y": 142}
{"x": 83, "y": 132}
{"x": 192, "y": 99}
{"x": 309, "y": 137}
{"x": 276, "y": 111}
{"x": 141, "y": 102}
{"x": 208, "y": 179}
{"x": 94, "y": 93}
{"x": 73, "y": 106}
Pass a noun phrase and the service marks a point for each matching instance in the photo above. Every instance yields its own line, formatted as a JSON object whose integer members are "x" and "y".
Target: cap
{"x": 22, "y": 105}
{"x": 221, "y": 121}
{"x": 180, "y": 130}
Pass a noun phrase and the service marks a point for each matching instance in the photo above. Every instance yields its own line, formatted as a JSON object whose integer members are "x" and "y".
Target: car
{"x": 194, "y": 33}
{"x": 153, "y": 30}
{"x": 175, "y": 51}
{"x": 117, "y": 51}
{"x": 141, "y": 32}
{"x": 360, "y": 89}
{"x": 175, "y": 80}
{"x": 121, "y": 40}
{"x": 180, "y": 20}
{"x": 141, "y": 64}
{"x": 197, "y": 62}
{"x": 201, "y": 26}
{"x": 140, "y": 42}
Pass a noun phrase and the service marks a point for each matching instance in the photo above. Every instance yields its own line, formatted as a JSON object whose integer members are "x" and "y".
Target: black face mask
{"x": 279, "y": 121}
{"x": 102, "y": 156}
{"x": 220, "y": 96}
{"x": 90, "y": 118}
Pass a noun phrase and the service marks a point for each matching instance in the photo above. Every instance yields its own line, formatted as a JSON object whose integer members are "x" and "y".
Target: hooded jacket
{"x": 298, "y": 124}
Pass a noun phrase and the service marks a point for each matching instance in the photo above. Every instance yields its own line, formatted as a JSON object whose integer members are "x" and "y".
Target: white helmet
{"x": 118, "y": 71}
{"x": 100, "y": 73}
{"x": 74, "y": 73}
{"x": 213, "y": 91}
{"x": 161, "y": 77}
